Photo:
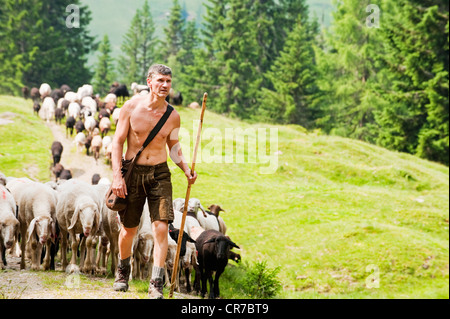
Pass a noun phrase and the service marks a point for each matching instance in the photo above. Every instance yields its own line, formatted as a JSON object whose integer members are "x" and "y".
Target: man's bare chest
{"x": 143, "y": 122}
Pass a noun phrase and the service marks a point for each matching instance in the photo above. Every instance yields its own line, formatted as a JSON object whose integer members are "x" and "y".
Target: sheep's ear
{"x": 97, "y": 221}
{"x": 30, "y": 229}
{"x": 189, "y": 239}
{"x": 74, "y": 219}
{"x": 232, "y": 244}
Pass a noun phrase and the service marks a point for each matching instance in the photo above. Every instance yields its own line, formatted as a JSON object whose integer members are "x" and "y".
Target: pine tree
{"x": 293, "y": 76}
{"x": 174, "y": 32}
{"x": 138, "y": 47}
{"x": 417, "y": 117}
{"x": 104, "y": 72}
{"x": 128, "y": 63}
{"x": 37, "y": 46}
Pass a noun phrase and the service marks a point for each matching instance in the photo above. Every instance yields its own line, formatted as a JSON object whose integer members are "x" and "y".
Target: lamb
{"x": 37, "y": 209}
{"x": 70, "y": 123}
{"x": 45, "y": 90}
{"x": 9, "y": 225}
{"x": 106, "y": 141}
{"x": 78, "y": 212}
{"x": 105, "y": 125}
{"x": 57, "y": 149}
{"x": 120, "y": 90}
{"x": 143, "y": 246}
{"x": 47, "y": 111}
{"x": 213, "y": 249}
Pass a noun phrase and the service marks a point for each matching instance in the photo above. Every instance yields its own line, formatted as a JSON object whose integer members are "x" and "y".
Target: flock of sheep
{"x": 71, "y": 216}
{"x": 47, "y": 218}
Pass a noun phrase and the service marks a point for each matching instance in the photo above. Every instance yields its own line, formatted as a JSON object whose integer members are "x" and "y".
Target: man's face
{"x": 160, "y": 84}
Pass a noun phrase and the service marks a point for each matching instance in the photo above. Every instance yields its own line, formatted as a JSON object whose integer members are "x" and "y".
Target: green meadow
{"x": 339, "y": 217}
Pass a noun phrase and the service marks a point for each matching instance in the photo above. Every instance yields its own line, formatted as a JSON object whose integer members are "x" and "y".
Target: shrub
{"x": 261, "y": 282}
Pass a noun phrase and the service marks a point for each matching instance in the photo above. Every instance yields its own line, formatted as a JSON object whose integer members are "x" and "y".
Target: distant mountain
{"x": 113, "y": 17}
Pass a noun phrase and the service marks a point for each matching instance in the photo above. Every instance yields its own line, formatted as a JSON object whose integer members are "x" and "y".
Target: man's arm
{"x": 119, "y": 187}
{"x": 176, "y": 153}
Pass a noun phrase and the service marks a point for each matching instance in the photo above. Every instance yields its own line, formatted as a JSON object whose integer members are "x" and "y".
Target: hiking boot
{"x": 122, "y": 276}
{"x": 155, "y": 289}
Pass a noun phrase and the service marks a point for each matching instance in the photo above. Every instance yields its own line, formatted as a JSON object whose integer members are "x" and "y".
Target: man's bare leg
{"x": 126, "y": 237}
{"x": 160, "y": 231}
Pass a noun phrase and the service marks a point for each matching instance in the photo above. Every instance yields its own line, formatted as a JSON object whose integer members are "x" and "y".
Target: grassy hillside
{"x": 24, "y": 142}
{"x": 337, "y": 216}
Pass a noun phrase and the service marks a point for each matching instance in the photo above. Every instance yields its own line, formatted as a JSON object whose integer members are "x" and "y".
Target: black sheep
{"x": 57, "y": 150}
{"x": 213, "y": 249}
{"x": 65, "y": 174}
{"x": 70, "y": 123}
{"x": 59, "y": 115}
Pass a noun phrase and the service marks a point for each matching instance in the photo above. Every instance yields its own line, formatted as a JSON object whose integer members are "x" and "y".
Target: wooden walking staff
{"x": 186, "y": 199}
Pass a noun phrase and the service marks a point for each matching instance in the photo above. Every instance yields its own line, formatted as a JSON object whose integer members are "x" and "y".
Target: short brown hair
{"x": 159, "y": 69}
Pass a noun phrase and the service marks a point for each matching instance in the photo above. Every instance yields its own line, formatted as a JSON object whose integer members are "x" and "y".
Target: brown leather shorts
{"x": 150, "y": 183}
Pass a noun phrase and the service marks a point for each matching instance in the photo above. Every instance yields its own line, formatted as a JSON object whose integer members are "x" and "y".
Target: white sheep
{"x": 74, "y": 109}
{"x": 105, "y": 125}
{"x": 111, "y": 98}
{"x": 72, "y": 97}
{"x": 138, "y": 88}
{"x": 106, "y": 141}
{"x": 47, "y": 110}
{"x": 37, "y": 210}
{"x": 90, "y": 124}
{"x": 207, "y": 221}
{"x": 45, "y": 90}
{"x": 115, "y": 115}
{"x": 9, "y": 225}
{"x": 143, "y": 244}
{"x": 80, "y": 140}
{"x": 85, "y": 90}
{"x": 89, "y": 103}
{"x": 78, "y": 212}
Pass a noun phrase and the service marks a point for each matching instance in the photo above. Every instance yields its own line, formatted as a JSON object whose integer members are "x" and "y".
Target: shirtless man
{"x": 150, "y": 178}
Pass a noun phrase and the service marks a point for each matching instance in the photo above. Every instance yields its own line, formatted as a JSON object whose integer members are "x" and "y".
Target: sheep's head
{"x": 43, "y": 227}
{"x": 9, "y": 229}
{"x": 88, "y": 215}
{"x": 222, "y": 246}
{"x": 215, "y": 209}
{"x": 174, "y": 233}
{"x": 145, "y": 246}
{"x": 194, "y": 205}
